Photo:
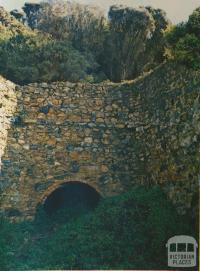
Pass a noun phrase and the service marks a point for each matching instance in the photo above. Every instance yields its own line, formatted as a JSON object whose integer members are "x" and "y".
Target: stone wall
{"x": 110, "y": 136}
{"x": 170, "y": 131}
{"x": 8, "y": 103}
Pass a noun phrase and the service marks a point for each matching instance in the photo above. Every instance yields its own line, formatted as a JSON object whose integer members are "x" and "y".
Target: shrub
{"x": 184, "y": 41}
{"x": 36, "y": 58}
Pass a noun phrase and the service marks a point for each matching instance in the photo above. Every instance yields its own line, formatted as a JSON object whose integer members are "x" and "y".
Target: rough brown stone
{"x": 110, "y": 136}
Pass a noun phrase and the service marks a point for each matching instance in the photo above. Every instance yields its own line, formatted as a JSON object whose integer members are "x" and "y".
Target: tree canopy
{"x": 131, "y": 41}
{"x": 120, "y": 47}
{"x": 84, "y": 44}
{"x": 35, "y": 58}
{"x": 184, "y": 41}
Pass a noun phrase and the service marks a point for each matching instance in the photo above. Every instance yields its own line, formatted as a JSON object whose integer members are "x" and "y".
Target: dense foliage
{"x": 35, "y": 58}
{"x": 184, "y": 41}
{"x": 32, "y": 56}
{"x": 70, "y": 41}
{"x": 91, "y": 46}
{"x": 119, "y": 43}
{"x": 130, "y": 46}
{"x": 128, "y": 231}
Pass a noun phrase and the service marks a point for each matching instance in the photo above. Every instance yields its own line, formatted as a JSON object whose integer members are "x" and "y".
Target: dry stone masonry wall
{"x": 8, "y": 103}
{"x": 110, "y": 136}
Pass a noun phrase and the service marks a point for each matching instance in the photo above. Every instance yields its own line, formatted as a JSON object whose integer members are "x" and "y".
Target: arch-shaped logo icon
{"x": 182, "y": 251}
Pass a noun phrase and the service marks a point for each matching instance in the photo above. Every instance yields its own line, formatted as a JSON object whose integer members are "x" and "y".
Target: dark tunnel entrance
{"x": 72, "y": 199}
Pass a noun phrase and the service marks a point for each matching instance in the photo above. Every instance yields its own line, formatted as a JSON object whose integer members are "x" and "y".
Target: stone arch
{"x": 70, "y": 193}
{"x": 56, "y": 185}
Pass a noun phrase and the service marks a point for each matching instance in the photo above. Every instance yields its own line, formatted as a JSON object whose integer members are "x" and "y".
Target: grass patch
{"x": 128, "y": 231}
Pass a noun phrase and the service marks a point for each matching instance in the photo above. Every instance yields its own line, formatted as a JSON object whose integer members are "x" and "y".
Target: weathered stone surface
{"x": 110, "y": 136}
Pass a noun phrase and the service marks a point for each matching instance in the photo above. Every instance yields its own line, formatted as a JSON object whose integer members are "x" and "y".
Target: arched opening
{"x": 71, "y": 199}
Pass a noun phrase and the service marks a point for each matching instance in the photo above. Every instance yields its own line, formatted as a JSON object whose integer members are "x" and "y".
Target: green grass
{"x": 128, "y": 231}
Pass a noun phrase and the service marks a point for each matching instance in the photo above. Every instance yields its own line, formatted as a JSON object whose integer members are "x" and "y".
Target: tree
{"x": 76, "y": 22}
{"x": 131, "y": 33}
{"x": 193, "y": 24}
{"x": 120, "y": 47}
{"x": 31, "y": 10}
{"x": 50, "y": 20}
{"x": 124, "y": 45}
{"x": 183, "y": 41}
{"x": 10, "y": 24}
{"x": 187, "y": 50}
{"x": 36, "y": 58}
{"x": 155, "y": 48}
{"x": 18, "y": 15}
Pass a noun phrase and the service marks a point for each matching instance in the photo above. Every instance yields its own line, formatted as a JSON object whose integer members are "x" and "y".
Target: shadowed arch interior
{"x": 72, "y": 196}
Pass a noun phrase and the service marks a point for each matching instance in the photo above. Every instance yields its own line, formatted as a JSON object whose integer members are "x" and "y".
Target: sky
{"x": 177, "y": 10}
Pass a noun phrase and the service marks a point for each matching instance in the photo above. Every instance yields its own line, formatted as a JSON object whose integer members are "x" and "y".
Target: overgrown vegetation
{"x": 127, "y": 231}
{"x": 65, "y": 40}
{"x": 35, "y": 58}
{"x": 70, "y": 41}
{"x": 184, "y": 41}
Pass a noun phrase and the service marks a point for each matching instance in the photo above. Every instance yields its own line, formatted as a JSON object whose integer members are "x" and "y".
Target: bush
{"x": 184, "y": 41}
{"x": 187, "y": 51}
{"x": 35, "y": 58}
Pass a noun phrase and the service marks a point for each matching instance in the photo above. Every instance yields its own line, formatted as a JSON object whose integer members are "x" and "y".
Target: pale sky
{"x": 177, "y": 10}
